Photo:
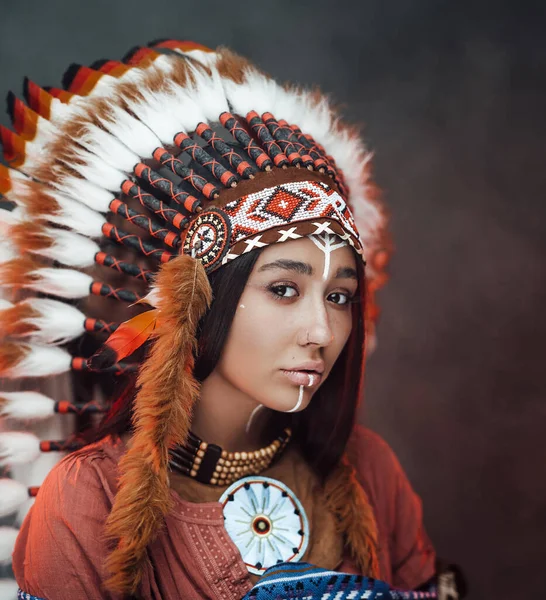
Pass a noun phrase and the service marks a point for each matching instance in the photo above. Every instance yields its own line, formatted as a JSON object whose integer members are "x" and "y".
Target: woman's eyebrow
{"x": 346, "y": 273}
{"x": 289, "y": 265}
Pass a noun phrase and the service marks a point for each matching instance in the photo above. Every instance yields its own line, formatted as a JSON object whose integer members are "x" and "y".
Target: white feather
{"x": 8, "y": 535}
{"x": 12, "y": 495}
{"x": 257, "y": 92}
{"x": 163, "y": 62}
{"x": 110, "y": 149}
{"x": 23, "y": 511}
{"x": 102, "y": 86}
{"x": 6, "y": 251}
{"x": 70, "y": 212}
{"x": 5, "y": 304}
{"x": 131, "y": 132}
{"x": 58, "y": 322}
{"x": 26, "y": 406}
{"x": 18, "y": 447}
{"x": 208, "y": 93}
{"x": 69, "y": 248}
{"x": 205, "y": 58}
{"x": 8, "y": 218}
{"x": 33, "y": 157}
{"x": 95, "y": 170}
{"x": 77, "y": 216}
{"x": 64, "y": 283}
{"x": 40, "y": 361}
{"x": 161, "y": 112}
{"x": 8, "y": 589}
{"x": 45, "y": 131}
{"x": 152, "y": 297}
{"x": 97, "y": 198}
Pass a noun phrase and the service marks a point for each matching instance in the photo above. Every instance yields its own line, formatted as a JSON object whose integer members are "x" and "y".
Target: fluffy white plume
{"x": 8, "y": 218}
{"x": 205, "y": 58}
{"x": 8, "y": 535}
{"x": 208, "y": 93}
{"x": 8, "y": 589}
{"x": 152, "y": 297}
{"x": 110, "y": 149}
{"x": 77, "y": 216}
{"x": 17, "y": 448}
{"x": 65, "y": 283}
{"x": 57, "y": 322}
{"x": 5, "y": 304}
{"x": 32, "y": 158}
{"x": 90, "y": 194}
{"x": 257, "y": 92}
{"x": 6, "y": 251}
{"x": 69, "y": 248}
{"x": 23, "y": 511}
{"x": 45, "y": 131}
{"x": 96, "y": 171}
{"x": 162, "y": 112}
{"x": 12, "y": 495}
{"x": 26, "y": 405}
{"x": 72, "y": 214}
{"x": 40, "y": 361}
{"x": 133, "y": 134}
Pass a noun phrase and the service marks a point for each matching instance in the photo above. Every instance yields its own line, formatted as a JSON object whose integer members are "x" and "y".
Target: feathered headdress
{"x": 184, "y": 159}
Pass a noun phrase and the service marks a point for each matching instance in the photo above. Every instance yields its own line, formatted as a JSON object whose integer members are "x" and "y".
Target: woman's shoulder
{"x": 367, "y": 449}
{"x": 377, "y": 467}
{"x": 93, "y": 467}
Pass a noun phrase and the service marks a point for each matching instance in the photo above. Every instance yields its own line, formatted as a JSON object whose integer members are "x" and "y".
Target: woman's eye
{"x": 284, "y": 291}
{"x": 339, "y": 298}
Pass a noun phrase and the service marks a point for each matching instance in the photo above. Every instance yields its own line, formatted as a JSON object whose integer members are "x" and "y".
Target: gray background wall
{"x": 453, "y": 102}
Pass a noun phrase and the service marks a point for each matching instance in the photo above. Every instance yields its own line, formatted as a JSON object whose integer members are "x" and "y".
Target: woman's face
{"x": 292, "y": 322}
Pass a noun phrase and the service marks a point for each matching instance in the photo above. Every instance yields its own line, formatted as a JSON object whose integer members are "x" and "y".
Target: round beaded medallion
{"x": 266, "y": 522}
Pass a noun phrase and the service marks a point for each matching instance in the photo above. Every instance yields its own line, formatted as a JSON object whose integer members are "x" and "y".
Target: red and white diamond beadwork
{"x": 285, "y": 212}
{"x": 266, "y": 521}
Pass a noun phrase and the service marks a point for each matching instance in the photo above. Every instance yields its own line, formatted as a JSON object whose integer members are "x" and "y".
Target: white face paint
{"x": 327, "y": 242}
{"x": 298, "y": 403}
{"x": 300, "y": 396}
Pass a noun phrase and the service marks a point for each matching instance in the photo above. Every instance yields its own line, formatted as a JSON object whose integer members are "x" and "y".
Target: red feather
{"x": 127, "y": 338}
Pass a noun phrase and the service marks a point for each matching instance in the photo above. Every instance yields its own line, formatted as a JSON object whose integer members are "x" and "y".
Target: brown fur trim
{"x": 13, "y": 320}
{"x": 17, "y": 272}
{"x": 30, "y": 236}
{"x": 346, "y": 499}
{"x": 163, "y": 407}
{"x": 232, "y": 66}
{"x": 38, "y": 202}
{"x": 10, "y": 356}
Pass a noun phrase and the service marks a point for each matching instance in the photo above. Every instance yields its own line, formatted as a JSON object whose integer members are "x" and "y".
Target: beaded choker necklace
{"x": 208, "y": 463}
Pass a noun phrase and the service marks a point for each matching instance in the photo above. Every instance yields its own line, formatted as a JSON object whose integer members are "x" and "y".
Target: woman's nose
{"x": 315, "y": 327}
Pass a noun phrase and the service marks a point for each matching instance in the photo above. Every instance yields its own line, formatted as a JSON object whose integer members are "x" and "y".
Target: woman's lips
{"x": 306, "y": 378}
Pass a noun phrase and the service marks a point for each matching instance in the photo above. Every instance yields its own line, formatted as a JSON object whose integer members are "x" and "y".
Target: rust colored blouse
{"x": 60, "y": 550}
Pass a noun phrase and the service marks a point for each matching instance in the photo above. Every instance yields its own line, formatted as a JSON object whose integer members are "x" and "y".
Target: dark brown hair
{"x": 323, "y": 429}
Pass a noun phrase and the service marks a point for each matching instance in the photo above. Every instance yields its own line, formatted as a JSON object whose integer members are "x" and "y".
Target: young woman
{"x": 235, "y": 448}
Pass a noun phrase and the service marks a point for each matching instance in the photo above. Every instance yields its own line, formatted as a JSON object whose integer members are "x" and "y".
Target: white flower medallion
{"x": 266, "y": 522}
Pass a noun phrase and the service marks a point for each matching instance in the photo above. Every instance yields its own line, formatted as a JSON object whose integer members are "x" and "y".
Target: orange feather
{"x": 127, "y": 338}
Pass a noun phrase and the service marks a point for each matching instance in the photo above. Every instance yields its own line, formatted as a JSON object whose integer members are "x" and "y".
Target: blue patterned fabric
{"x": 302, "y": 581}
{"x": 24, "y": 596}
